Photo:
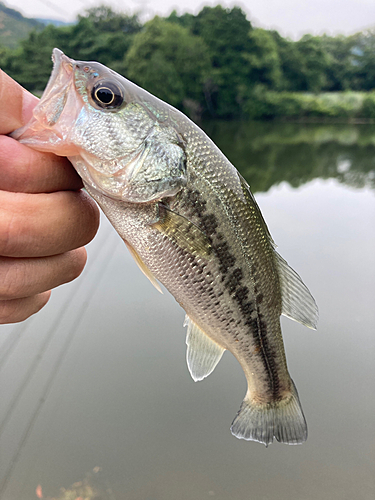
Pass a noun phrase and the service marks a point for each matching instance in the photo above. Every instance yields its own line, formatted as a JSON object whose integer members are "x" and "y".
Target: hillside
{"x": 14, "y": 27}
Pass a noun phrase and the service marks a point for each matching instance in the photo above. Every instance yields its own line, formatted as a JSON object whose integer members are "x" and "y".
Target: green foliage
{"x": 313, "y": 62}
{"x": 264, "y": 104}
{"x": 226, "y": 34}
{"x": 105, "y": 19}
{"x": 31, "y": 64}
{"x": 91, "y": 38}
{"x": 4, "y": 55}
{"x": 168, "y": 61}
{"x": 262, "y": 59}
{"x": 368, "y": 106}
{"x": 362, "y": 52}
{"x": 211, "y": 64}
{"x": 268, "y": 153}
{"x": 340, "y": 70}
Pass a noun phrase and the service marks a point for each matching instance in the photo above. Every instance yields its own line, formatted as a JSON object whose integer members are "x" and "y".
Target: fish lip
{"x": 50, "y": 108}
{"x": 62, "y": 70}
{"x": 53, "y": 101}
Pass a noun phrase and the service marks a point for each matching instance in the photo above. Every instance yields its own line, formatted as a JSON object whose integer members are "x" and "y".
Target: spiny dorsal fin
{"x": 142, "y": 266}
{"x": 297, "y": 302}
{"x": 203, "y": 354}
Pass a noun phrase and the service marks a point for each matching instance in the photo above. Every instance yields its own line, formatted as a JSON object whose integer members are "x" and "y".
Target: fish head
{"x": 119, "y": 137}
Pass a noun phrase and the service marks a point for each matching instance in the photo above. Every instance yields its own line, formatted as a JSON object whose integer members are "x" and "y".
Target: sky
{"x": 291, "y": 18}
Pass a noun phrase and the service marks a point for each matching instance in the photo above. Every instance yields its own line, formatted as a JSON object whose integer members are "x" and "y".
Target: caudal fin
{"x": 283, "y": 420}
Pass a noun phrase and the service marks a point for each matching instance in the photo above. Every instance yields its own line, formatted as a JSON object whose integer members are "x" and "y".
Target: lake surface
{"x": 95, "y": 387}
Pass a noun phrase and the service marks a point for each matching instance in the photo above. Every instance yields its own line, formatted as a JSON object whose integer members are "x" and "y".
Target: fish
{"x": 191, "y": 223}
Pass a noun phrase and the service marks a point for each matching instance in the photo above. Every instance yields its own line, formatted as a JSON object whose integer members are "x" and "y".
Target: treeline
{"x": 213, "y": 64}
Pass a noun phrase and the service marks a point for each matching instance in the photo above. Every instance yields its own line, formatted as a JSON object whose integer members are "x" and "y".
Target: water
{"x": 95, "y": 387}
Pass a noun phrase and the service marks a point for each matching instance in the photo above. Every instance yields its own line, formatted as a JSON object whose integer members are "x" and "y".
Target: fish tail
{"x": 283, "y": 420}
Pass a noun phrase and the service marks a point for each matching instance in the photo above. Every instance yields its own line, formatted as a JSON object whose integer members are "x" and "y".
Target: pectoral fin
{"x": 185, "y": 233}
{"x": 297, "y": 302}
{"x": 203, "y": 354}
{"x": 142, "y": 266}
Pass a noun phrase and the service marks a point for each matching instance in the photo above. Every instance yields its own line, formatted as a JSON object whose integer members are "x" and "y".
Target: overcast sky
{"x": 290, "y": 17}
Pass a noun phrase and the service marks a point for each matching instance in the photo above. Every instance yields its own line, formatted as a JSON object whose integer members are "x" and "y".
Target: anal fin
{"x": 203, "y": 354}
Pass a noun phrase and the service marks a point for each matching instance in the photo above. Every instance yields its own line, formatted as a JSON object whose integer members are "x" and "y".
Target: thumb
{"x": 16, "y": 104}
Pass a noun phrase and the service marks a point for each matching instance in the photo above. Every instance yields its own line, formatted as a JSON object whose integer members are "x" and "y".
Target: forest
{"x": 214, "y": 64}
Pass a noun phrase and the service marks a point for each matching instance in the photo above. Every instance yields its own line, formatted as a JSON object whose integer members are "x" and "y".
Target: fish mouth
{"x": 59, "y": 107}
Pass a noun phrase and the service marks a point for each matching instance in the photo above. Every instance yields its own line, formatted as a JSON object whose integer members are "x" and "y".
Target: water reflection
{"x": 269, "y": 153}
{"x": 98, "y": 379}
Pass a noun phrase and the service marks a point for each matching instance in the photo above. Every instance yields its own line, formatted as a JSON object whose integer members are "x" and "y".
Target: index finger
{"x": 17, "y": 104}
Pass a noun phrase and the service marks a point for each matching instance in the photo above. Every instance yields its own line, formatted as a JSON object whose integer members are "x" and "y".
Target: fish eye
{"x": 107, "y": 95}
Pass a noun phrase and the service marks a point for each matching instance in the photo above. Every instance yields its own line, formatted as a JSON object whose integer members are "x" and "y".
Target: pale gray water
{"x": 99, "y": 378}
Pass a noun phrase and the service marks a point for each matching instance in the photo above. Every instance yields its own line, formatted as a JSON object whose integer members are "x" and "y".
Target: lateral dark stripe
{"x": 233, "y": 281}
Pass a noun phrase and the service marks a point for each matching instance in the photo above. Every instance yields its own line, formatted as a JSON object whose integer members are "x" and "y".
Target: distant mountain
{"x": 14, "y": 27}
{"x": 55, "y": 22}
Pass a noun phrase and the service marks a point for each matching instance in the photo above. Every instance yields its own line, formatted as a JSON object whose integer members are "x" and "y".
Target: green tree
{"x": 289, "y": 57}
{"x": 4, "y": 55}
{"x": 314, "y": 62}
{"x": 103, "y": 35}
{"x": 263, "y": 60}
{"x": 363, "y": 61}
{"x": 304, "y": 64}
{"x": 91, "y": 38}
{"x": 340, "y": 69}
{"x": 168, "y": 61}
{"x": 31, "y": 63}
{"x": 225, "y": 32}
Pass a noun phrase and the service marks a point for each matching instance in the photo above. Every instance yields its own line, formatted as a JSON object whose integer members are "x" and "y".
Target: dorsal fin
{"x": 297, "y": 302}
{"x": 203, "y": 354}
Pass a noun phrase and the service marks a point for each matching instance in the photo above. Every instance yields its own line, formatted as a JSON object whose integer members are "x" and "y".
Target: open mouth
{"x": 56, "y": 112}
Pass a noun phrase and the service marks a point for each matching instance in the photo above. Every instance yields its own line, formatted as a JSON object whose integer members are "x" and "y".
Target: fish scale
{"x": 252, "y": 327}
{"x": 191, "y": 222}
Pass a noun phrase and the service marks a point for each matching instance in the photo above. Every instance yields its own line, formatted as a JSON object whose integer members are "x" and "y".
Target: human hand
{"x": 45, "y": 219}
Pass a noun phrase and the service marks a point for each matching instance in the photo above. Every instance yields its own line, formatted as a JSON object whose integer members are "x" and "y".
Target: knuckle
{"x": 6, "y": 233}
{"x": 14, "y": 223}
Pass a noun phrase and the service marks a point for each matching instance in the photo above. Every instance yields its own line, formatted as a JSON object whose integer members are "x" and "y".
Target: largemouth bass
{"x": 191, "y": 223}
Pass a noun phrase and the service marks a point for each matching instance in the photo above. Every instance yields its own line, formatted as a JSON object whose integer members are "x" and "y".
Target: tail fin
{"x": 283, "y": 420}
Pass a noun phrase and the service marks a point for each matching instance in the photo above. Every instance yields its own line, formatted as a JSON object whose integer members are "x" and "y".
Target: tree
{"x": 99, "y": 35}
{"x": 103, "y": 35}
{"x": 263, "y": 60}
{"x": 340, "y": 69}
{"x": 289, "y": 57}
{"x": 225, "y": 32}
{"x": 362, "y": 59}
{"x": 31, "y": 63}
{"x": 168, "y": 61}
{"x": 105, "y": 19}
{"x": 314, "y": 62}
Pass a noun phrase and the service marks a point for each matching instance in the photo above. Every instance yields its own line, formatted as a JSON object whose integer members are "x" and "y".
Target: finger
{"x": 16, "y": 104}
{"x": 21, "y": 278}
{"x": 25, "y": 170}
{"x": 40, "y": 225}
{"x": 13, "y": 311}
